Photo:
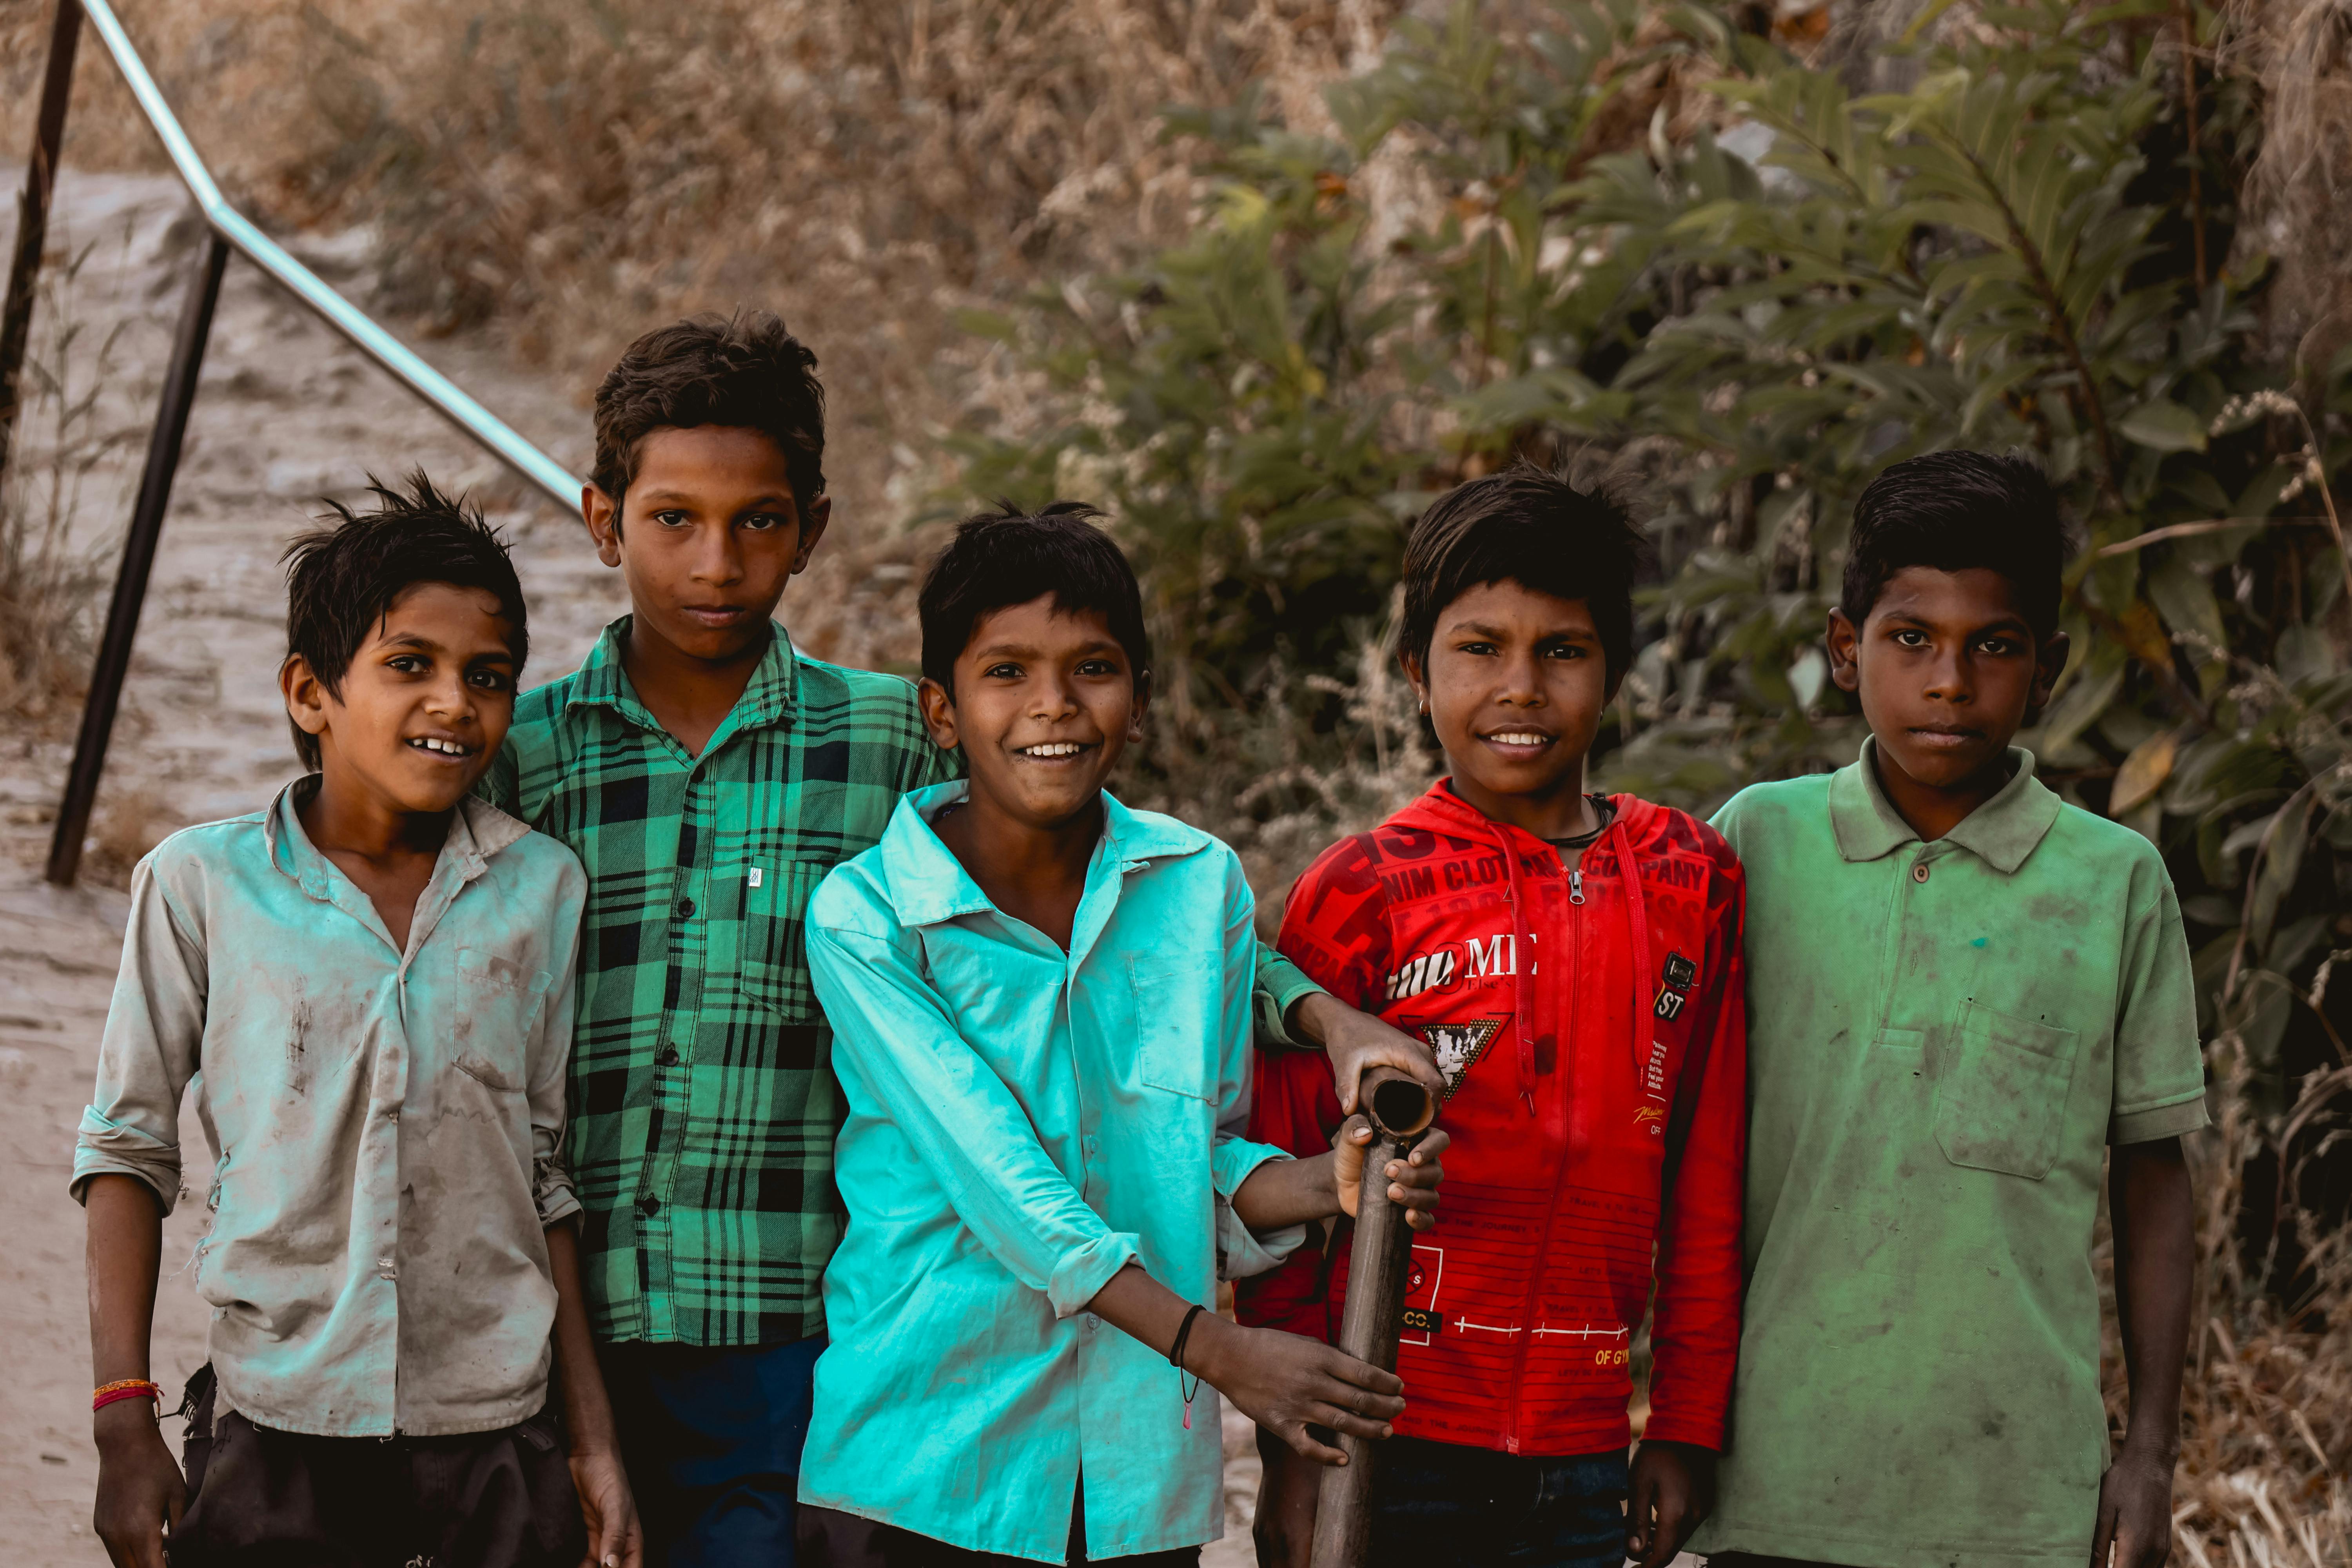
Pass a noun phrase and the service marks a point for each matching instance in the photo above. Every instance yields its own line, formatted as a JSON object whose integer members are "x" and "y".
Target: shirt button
{"x": 686, "y": 908}
{"x": 392, "y": 1116}
{"x": 649, "y": 1204}
{"x": 668, "y": 1057}
{"x": 1919, "y": 872}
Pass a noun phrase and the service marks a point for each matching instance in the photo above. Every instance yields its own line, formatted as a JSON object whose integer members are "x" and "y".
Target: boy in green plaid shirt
{"x": 708, "y": 774}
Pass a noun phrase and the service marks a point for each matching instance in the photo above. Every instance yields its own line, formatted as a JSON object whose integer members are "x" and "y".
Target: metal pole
{"x": 138, "y": 559}
{"x": 1401, "y": 1109}
{"x": 33, "y": 215}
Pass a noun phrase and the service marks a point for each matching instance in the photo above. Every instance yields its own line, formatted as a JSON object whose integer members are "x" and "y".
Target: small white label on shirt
{"x": 755, "y": 876}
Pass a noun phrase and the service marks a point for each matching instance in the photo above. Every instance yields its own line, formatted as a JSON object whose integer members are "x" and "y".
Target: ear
{"x": 602, "y": 515}
{"x": 2049, "y": 664}
{"x": 307, "y": 697}
{"x": 1143, "y": 701}
{"x": 1416, "y": 676}
{"x": 812, "y": 521}
{"x": 1844, "y": 644}
{"x": 939, "y": 714}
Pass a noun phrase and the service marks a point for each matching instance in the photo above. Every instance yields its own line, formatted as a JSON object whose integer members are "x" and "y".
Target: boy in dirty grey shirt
{"x": 371, "y": 980}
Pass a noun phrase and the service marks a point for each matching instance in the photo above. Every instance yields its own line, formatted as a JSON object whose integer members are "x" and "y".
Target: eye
{"x": 1565, "y": 650}
{"x": 1476, "y": 649}
{"x": 764, "y": 522}
{"x": 1004, "y": 670}
{"x": 408, "y": 663}
{"x": 1098, "y": 668}
{"x": 490, "y": 680}
{"x": 1999, "y": 646}
{"x": 1909, "y": 636}
{"x": 670, "y": 517}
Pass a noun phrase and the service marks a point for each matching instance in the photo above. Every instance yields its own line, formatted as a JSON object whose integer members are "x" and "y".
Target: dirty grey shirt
{"x": 386, "y": 1126}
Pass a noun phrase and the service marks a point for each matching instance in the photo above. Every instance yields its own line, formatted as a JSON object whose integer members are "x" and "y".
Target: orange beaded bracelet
{"x": 107, "y": 1393}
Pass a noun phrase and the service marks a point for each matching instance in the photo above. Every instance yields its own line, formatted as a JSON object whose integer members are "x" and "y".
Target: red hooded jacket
{"x": 1597, "y": 1049}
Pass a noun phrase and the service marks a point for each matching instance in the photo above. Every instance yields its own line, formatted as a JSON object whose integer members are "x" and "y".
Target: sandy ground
{"x": 286, "y": 414}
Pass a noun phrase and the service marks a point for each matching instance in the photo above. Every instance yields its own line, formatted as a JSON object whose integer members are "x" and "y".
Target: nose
{"x": 449, "y": 697}
{"x": 1949, "y": 677}
{"x": 1520, "y": 683}
{"x": 717, "y": 557}
{"x": 1051, "y": 697}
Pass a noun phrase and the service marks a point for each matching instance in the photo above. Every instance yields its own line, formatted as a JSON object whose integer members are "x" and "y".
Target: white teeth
{"x": 1518, "y": 738}
{"x": 448, "y": 748}
{"x": 1052, "y": 749}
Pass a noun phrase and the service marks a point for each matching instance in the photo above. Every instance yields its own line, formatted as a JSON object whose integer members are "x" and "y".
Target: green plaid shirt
{"x": 703, "y": 1101}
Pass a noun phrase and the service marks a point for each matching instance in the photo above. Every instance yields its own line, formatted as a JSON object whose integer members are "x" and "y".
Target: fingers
{"x": 1666, "y": 1534}
{"x": 1354, "y": 1376}
{"x": 2102, "y": 1538}
{"x": 1341, "y": 1419}
{"x": 1303, "y": 1443}
{"x": 1639, "y": 1504}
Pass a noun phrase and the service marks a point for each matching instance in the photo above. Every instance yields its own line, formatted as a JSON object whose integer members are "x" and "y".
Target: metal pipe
{"x": 33, "y": 215}
{"x": 560, "y": 485}
{"x": 1401, "y": 1109}
{"x": 138, "y": 559}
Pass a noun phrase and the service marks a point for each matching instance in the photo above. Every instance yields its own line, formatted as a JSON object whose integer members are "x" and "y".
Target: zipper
{"x": 1563, "y": 1017}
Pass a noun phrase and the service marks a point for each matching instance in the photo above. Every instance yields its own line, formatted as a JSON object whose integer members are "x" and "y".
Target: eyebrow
{"x": 2010, "y": 622}
{"x": 426, "y": 644}
{"x": 1497, "y": 633}
{"x": 1024, "y": 650}
{"x": 768, "y": 499}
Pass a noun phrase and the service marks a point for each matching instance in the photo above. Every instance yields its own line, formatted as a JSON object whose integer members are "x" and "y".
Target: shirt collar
{"x": 477, "y": 830}
{"x": 2001, "y": 832}
{"x": 767, "y": 698}
{"x": 927, "y": 884}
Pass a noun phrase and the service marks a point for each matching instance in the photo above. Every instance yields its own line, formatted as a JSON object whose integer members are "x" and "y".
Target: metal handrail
{"x": 230, "y": 231}
{"x": 495, "y": 434}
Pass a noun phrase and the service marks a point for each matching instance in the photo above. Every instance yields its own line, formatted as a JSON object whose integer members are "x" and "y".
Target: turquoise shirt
{"x": 1023, "y": 1122}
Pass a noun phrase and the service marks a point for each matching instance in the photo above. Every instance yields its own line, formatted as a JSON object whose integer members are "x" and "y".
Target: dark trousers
{"x": 1442, "y": 1502}
{"x": 711, "y": 1436}
{"x": 263, "y": 1498}
{"x": 830, "y": 1539}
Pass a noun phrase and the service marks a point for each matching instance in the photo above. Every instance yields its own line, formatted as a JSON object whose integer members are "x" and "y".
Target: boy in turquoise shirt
{"x": 1963, "y": 991}
{"x": 1040, "y": 1002}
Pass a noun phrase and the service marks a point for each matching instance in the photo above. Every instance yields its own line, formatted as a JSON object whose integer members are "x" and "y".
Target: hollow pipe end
{"x": 1399, "y": 1106}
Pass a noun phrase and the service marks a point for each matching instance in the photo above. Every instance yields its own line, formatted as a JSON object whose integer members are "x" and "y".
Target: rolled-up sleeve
{"x": 1253, "y": 981}
{"x": 551, "y": 1057}
{"x": 891, "y": 1032}
{"x": 153, "y": 1045}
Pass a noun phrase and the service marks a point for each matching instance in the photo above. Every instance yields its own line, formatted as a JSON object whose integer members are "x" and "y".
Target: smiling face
{"x": 1947, "y": 668}
{"x": 423, "y": 705}
{"x": 1045, "y": 701}
{"x": 706, "y": 538}
{"x": 1514, "y": 684}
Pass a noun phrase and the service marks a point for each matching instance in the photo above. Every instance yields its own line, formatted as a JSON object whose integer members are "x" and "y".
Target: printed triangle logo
{"x": 1458, "y": 1047}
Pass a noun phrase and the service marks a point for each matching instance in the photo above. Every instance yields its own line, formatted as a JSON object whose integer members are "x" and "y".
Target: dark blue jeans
{"x": 1442, "y": 1502}
{"x": 711, "y": 1436}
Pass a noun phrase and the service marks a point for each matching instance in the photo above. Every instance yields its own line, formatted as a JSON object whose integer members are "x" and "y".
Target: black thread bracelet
{"x": 1176, "y": 1360}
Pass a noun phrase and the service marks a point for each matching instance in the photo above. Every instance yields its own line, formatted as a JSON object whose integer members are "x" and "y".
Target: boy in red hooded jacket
{"x": 1572, "y": 962}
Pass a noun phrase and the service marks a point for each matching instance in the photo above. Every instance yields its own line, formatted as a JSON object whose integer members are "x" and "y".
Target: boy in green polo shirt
{"x": 1962, "y": 993}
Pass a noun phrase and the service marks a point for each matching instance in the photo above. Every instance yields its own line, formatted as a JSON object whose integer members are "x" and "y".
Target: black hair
{"x": 743, "y": 371}
{"x": 1527, "y": 525}
{"x": 1955, "y": 510}
{"x": 343, "y": 578}
{"x": 1009, "y": 557}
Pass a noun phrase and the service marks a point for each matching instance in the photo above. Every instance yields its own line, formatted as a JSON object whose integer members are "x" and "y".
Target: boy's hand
{"x": 1287, "y": 1382}
{"x": 2134, "y": 1512}
{"x": 1358, "y": 1042}
{"x": 1413, "y": 1180}
{"x": 140, "y": 1488}
{"x": 616, "y": 1539}
{"x": 1672, "y": 1488}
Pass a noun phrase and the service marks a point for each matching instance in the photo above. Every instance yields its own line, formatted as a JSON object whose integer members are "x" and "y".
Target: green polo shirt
{"x": 1944, "y": 1037}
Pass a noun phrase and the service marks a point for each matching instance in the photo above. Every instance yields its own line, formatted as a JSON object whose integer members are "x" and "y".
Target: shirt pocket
{"x": 773, "y": 966}
{"x": 2001, "y": 1089}
{"x": 1179, "y": 1004}
{"x": 502, "y": 1000}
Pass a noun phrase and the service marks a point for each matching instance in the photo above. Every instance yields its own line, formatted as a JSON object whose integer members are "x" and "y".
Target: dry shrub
{"x": 123, "y": 828}
{"x": 2266, "y": 1428}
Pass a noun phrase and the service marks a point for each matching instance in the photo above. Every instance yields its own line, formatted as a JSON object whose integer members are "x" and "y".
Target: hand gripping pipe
{"x": 1400, "y": 1110}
